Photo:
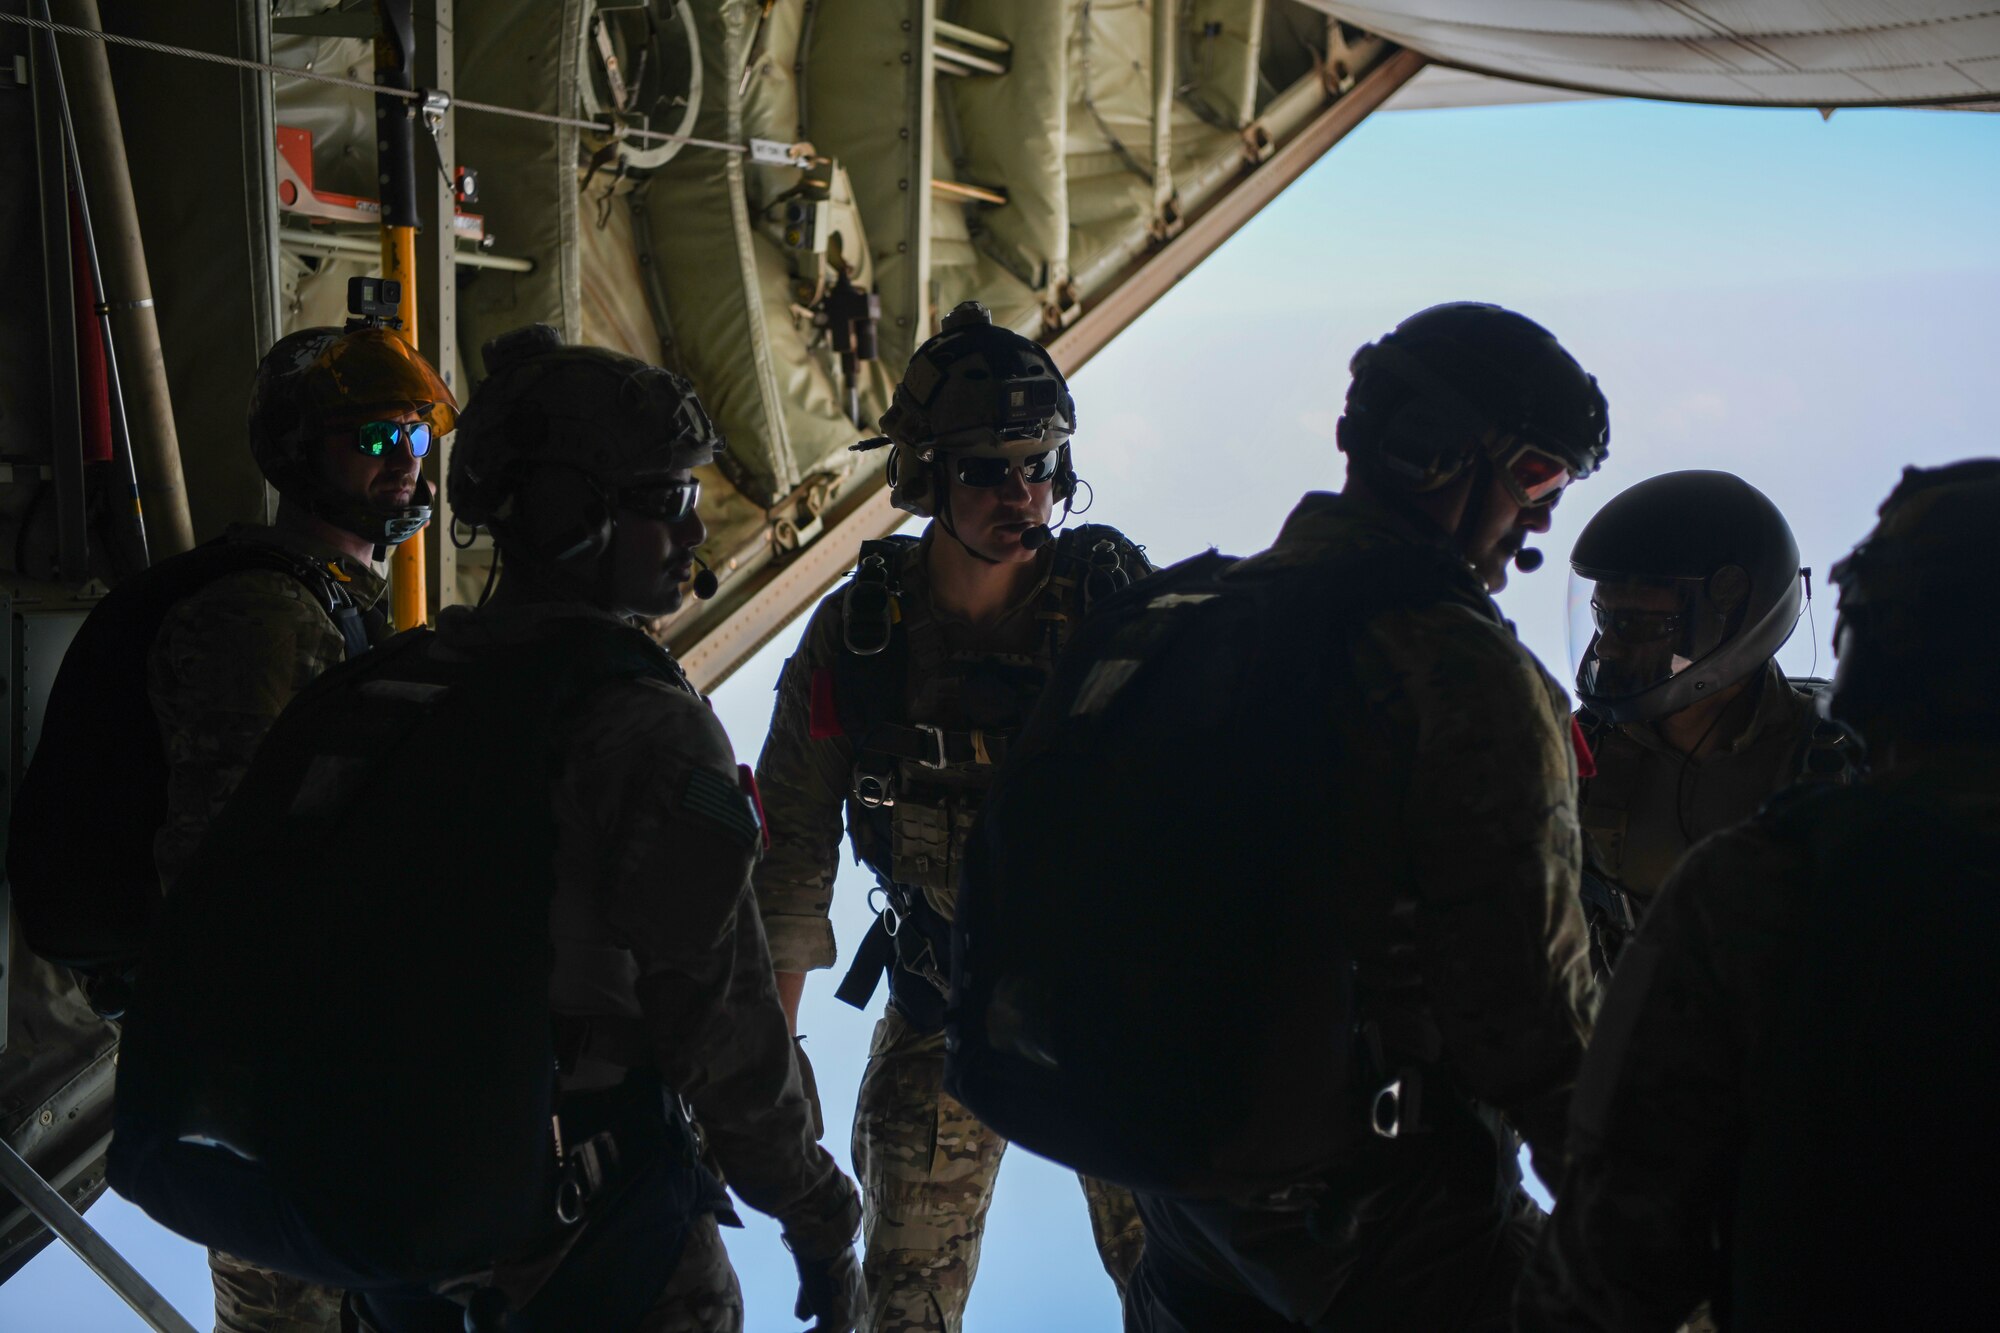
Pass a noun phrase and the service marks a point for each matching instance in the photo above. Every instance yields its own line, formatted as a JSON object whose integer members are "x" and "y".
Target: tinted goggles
{"x": 989, "y": 470}
{"x": 1533, "y": 475}
{"x": 376, "y": 438}
{"x": 1629, "y": 625}
{"x": 667, "y": 501}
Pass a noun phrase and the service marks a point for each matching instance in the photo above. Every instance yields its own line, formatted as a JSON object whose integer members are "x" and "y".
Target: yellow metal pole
{"x": 406, "y": 559}
{"x": 395, "y": 156}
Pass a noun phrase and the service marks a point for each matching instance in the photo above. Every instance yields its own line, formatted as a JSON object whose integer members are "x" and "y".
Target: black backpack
{"x": 338, "y": 1062}
{"x": 1149, "y": 978}
{"x": 80, "y": 839}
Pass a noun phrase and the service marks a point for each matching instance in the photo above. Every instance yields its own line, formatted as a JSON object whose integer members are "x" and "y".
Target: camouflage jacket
{"x": 656, "y": 934}
{"x": 955, "y": 672}
{"x": 224, "y": 665}
{"x": 1687, "y": 1109}
{"x": 1648, "y": 803}
{"x": 1459, "y": 863}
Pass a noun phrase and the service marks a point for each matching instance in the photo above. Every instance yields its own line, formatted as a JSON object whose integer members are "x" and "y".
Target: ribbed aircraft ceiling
{"x": 1819, "y": 53}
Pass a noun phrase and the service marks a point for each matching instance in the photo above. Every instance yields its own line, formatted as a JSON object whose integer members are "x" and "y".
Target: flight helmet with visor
{"x": 1679, "y": 587}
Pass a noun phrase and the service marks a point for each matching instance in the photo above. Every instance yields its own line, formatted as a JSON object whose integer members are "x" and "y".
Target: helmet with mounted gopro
{"x": 976, "y": 390}
{"x": 322, "y": 380}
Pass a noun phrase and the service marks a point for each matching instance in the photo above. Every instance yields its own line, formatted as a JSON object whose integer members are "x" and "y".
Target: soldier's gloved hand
{"x": 831, "y": 1292}
{"x": 811, "y": 1085}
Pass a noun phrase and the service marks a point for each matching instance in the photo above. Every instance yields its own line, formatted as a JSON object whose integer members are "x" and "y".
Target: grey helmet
{"x": 1681, "y": 586}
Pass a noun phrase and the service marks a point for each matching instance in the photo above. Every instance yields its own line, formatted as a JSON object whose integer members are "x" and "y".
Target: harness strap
{"x": 935, "y": 747}
{"x": 1612, "y": 899}
{"x": 872, "y": 962}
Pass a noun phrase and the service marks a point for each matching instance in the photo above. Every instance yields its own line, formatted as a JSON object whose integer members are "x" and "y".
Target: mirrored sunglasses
{"x": 376, "y": 438}
{"x": 988, "y": 470}
{"x": 669, "y": 502}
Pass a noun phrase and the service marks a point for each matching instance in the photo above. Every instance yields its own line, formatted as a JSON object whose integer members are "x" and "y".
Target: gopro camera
{"x": 374, "y": 303}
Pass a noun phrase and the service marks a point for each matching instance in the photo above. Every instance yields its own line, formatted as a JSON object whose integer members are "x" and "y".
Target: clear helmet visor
{"x": 1630, "y": 635}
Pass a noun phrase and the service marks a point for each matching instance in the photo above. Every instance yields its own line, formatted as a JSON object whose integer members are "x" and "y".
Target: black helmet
{"x": 1424, "y": 395}
{"x": 1680, "y": 587}
{"x": 612, "y": 417}
{"x": 974, "y": 388}
{"x": 1919, "y": 599}
{"x": 322, "y": 379}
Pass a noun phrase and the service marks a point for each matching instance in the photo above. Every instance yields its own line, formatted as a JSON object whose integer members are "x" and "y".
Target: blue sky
{"x": 1805, "y": 302}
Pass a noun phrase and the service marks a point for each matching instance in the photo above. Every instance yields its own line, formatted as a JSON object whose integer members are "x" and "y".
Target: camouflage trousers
{"x": 249, "y": 1299}
{"x": 927, "y": 1168}
{"x": 702, "y": 1296}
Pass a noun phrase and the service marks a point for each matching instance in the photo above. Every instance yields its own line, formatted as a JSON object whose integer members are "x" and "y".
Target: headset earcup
{"x": 1065, "y": 479}
{"x": 1417, "y": 443}
{"x": 589, "y": 538}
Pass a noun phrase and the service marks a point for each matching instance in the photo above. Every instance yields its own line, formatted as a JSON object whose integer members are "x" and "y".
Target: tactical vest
{"x": 80, "y": 850}
{"x": 340, "y": 1062}
{"x": 917, "y": 786}
{"x": 1826, "y": 754}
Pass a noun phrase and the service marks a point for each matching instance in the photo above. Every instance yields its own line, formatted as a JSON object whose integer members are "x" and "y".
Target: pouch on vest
{"x": 344, "y": 1027}
{"x": 80, "y": 838}
{"x": 1150, "y": 980}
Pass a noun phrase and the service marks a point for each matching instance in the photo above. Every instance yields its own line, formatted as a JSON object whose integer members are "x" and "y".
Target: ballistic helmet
{"x": 1679, "y": 587}
{"x": 614, "y": 418}
{"x": 975, "y": 388}
{"x": 1424, "y": 395}
{"x": 322, "y": 380}
{"x": 1919, "y": 598}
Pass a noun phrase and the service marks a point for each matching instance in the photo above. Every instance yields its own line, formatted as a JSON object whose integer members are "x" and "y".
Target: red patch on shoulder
{"x": 823, "y": 722}
{"x": 746, "y": 779}
{"x": 1586, "y": 762}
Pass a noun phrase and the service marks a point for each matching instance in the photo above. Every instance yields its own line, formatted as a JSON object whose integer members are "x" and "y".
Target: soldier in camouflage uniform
{"x": 1788, "y": 1109}
{"x": 579, "y": 459}
{"x": 1457, "y": 865}
{"x": 1691, "y": 582}
{"x": 898, "y": 705}
{"x": 338, "y": 421}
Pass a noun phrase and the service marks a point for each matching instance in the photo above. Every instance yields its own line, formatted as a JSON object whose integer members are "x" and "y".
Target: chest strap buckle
{"x": 937, "y": 739}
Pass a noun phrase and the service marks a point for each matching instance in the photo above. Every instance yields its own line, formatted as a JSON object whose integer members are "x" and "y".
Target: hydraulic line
{"x": 409, "y": 95}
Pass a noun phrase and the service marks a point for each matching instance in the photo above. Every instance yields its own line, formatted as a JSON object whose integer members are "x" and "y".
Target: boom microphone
{"x": 1035, "y": 538}
{"x": 1527, "y": 560}
{"x": 704, "y": 584}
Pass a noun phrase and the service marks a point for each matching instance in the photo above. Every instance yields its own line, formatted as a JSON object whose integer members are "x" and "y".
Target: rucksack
{"x": 338, "y": 1061}
{"x": 83, "y": 821}
{"x": 1151, "y": 982}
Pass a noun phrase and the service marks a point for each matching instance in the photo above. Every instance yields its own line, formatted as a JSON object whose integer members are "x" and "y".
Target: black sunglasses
{"x": 987, "y": 470}
{"x": 668, "y": 501}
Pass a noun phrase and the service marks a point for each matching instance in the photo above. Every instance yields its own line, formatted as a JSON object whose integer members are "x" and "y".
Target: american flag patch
{"x": 709, "y": 795}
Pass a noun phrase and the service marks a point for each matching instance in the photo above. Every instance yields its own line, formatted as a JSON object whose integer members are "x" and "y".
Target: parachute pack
{"x": 80, "y": 842}
{"x": 1152, "y": 983}
{"x": 338, "y": 1062}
